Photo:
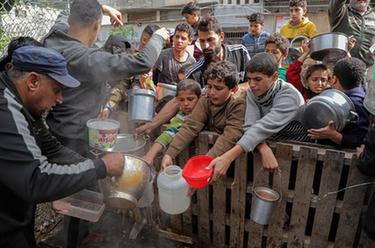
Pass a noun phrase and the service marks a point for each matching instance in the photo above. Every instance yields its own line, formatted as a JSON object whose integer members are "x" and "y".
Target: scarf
{"x": 266, "y": 99}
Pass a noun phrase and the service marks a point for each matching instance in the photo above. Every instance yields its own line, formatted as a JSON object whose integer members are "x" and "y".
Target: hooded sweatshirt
{"x": 305, "y": 27}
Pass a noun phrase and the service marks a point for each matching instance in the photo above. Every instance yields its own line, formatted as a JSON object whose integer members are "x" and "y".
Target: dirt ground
{"x": 112, "y": 231}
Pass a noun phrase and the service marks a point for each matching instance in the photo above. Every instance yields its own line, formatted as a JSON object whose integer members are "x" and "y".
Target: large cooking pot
{"x": 329, "y": 105}
{"x": 126, "y": 190}
{"x": 127, "y": 143}
{"x": 163, "y": 90}
{"x": 329, "y": 46}
{"x": 141, "y": 105}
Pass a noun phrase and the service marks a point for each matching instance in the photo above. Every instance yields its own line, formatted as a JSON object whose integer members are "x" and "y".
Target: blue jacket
{"x": 353, "y": 134}
{"x": 253, "y": 44}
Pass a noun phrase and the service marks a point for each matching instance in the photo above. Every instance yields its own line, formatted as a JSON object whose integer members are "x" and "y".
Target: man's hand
{"x": 114, "y": 14}
{"x": 104, "y": 114}
{"x": 220, "y": 165}
{"x": 359, "y": 150}
{"x": 163, "y": 32}
{"x": 114, "y": 162}
{"x": 166, "y": 161}
{"x": 144, "y": 129}
{"x": 60, "y": 206}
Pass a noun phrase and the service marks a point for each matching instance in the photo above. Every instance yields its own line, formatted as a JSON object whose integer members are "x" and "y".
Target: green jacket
{"x": 344, "y": 19}
{"x": 167, "y": 136}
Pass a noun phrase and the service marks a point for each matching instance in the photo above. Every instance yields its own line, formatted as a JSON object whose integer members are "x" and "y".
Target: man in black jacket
{"x": 366, "y": 160}
{"x": 34, "y": 166}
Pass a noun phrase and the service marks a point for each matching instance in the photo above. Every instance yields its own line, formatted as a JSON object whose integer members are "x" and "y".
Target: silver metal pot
{"x": 329, "y": 46}
{"x": 126, "y": 190}
{"x": 141, "y": 105}
{"x": 164, "y": 90}
{"x": 127, "y": 143}
{"x": 329, "y": 105}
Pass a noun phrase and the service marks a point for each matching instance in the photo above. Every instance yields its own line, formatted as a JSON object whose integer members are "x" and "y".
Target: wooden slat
{"x": 238, "y": 202}
{"x": 365, "y": 242}
{"x": 350, "y": 214}
{"x": 256, "y": 230}
{"x": 203, "y": 204}
{"x": 183, "y": 157}
{"x": 275, "y": 230}
{"x": 302, "y": 195}
{"x": 219, "y": 198}
{"x": 324, "y": 212}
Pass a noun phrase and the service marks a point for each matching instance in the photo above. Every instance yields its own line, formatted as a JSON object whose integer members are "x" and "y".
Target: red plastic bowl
{"x": 195, "y": 172}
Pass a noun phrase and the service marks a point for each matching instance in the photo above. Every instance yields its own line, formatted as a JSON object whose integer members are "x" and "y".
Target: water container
{"x": 173, "y": 190}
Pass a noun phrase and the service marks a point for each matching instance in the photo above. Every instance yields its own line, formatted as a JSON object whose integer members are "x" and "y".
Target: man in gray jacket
{"x": 356, "y": 19}
{"x": 92, "y": 67}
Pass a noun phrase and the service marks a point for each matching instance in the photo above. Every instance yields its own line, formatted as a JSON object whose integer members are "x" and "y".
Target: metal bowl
{"x": 331, "y": 46}
{"x": 125, "y": 191}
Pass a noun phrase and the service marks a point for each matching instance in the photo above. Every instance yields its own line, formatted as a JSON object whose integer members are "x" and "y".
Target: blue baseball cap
{"x": 45, "y": 61}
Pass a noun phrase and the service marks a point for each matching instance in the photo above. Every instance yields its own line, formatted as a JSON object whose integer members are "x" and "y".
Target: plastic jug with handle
{"x": 173, "y": 190}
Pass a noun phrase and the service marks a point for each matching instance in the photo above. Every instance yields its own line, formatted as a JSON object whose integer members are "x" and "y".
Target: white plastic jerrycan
{"x": 173, "y": 190}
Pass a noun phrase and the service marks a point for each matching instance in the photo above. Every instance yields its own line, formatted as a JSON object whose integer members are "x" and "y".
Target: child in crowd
{"x": 348, "y": 76}
{"x": 278, "y": 46}
{"x": 188, "y": 93}
{"x": 172, "y": 59}
{"x": 315, "y": 81}
{"x": 271, "y": 104}
{"x": 255, "y": 39}
{"x": 298, "y": 24}
{"x": 218, "y": 112}
{"x": 192, "y": 14}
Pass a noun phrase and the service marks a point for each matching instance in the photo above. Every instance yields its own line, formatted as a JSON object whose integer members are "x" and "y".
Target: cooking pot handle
{"x": 353, "y": 117}
{"x": 297, "y": 38}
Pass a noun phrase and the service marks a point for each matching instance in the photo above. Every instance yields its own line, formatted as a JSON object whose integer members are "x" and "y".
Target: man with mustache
{"x": 357, "y": 19}
{"x": 210, "y": 37}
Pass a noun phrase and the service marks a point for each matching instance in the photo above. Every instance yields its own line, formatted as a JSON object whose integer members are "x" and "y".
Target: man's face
{"x": 181, "y": 40}
{"x": 191, "y": 19}
{"x": 359, "y": 5}
{"x": 210, "y": 43}
{"x": 272, "y": 48}
{"x": 255, "y": 28}
{"x": 217, "y": 91}
{"x": 144, "y": 39}
{"x": 260, "y": 83}
{"x": 44, "y": 93}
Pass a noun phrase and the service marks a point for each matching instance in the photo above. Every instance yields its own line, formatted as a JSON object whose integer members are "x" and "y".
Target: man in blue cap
{"x": 34, "y": 166}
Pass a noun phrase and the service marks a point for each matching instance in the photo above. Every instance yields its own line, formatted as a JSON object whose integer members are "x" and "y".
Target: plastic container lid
{"x": 85, "y": 204}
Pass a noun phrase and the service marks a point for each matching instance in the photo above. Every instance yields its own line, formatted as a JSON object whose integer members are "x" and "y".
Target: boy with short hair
{"x": 219, "y": 112}
{"x": 192, "y": 14}
{"x": 271, "y": 104}
{"x": 278, "y": 46}
{"x": 188, "y": 93}
{"x": 255, "y": 39}
{"x": 348, "y": 76}
{"x": 299, "y": 23}
{"x": 172, "y": 59}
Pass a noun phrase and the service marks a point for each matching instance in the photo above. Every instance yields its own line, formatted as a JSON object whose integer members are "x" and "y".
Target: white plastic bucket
{"x": 102, "y": 133}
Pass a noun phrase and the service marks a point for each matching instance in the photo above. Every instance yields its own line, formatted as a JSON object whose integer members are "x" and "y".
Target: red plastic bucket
{"x": 195, "y": 172}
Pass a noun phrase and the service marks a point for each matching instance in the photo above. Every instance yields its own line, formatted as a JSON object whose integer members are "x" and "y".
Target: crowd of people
{"x": 246, "y": 93}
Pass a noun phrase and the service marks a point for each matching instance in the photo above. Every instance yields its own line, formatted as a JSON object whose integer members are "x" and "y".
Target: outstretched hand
{"x": 114, "y": 14}
{"x": 220, "y": 166}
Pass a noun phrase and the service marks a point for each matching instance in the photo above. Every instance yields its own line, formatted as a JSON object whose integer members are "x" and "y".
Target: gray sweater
{"x": 264, "y": 120}
{"x": 93, "y": 68}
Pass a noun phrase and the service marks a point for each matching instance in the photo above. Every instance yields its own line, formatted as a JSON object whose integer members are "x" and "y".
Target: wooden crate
{"x": 219, "y": 215}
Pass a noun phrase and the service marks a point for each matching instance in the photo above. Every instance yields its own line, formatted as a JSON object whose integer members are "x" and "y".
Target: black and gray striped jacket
{"x": 34, "y": 168}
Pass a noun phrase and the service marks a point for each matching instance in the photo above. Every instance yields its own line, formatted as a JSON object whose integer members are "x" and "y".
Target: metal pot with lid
{"x": 330, "y": 105}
